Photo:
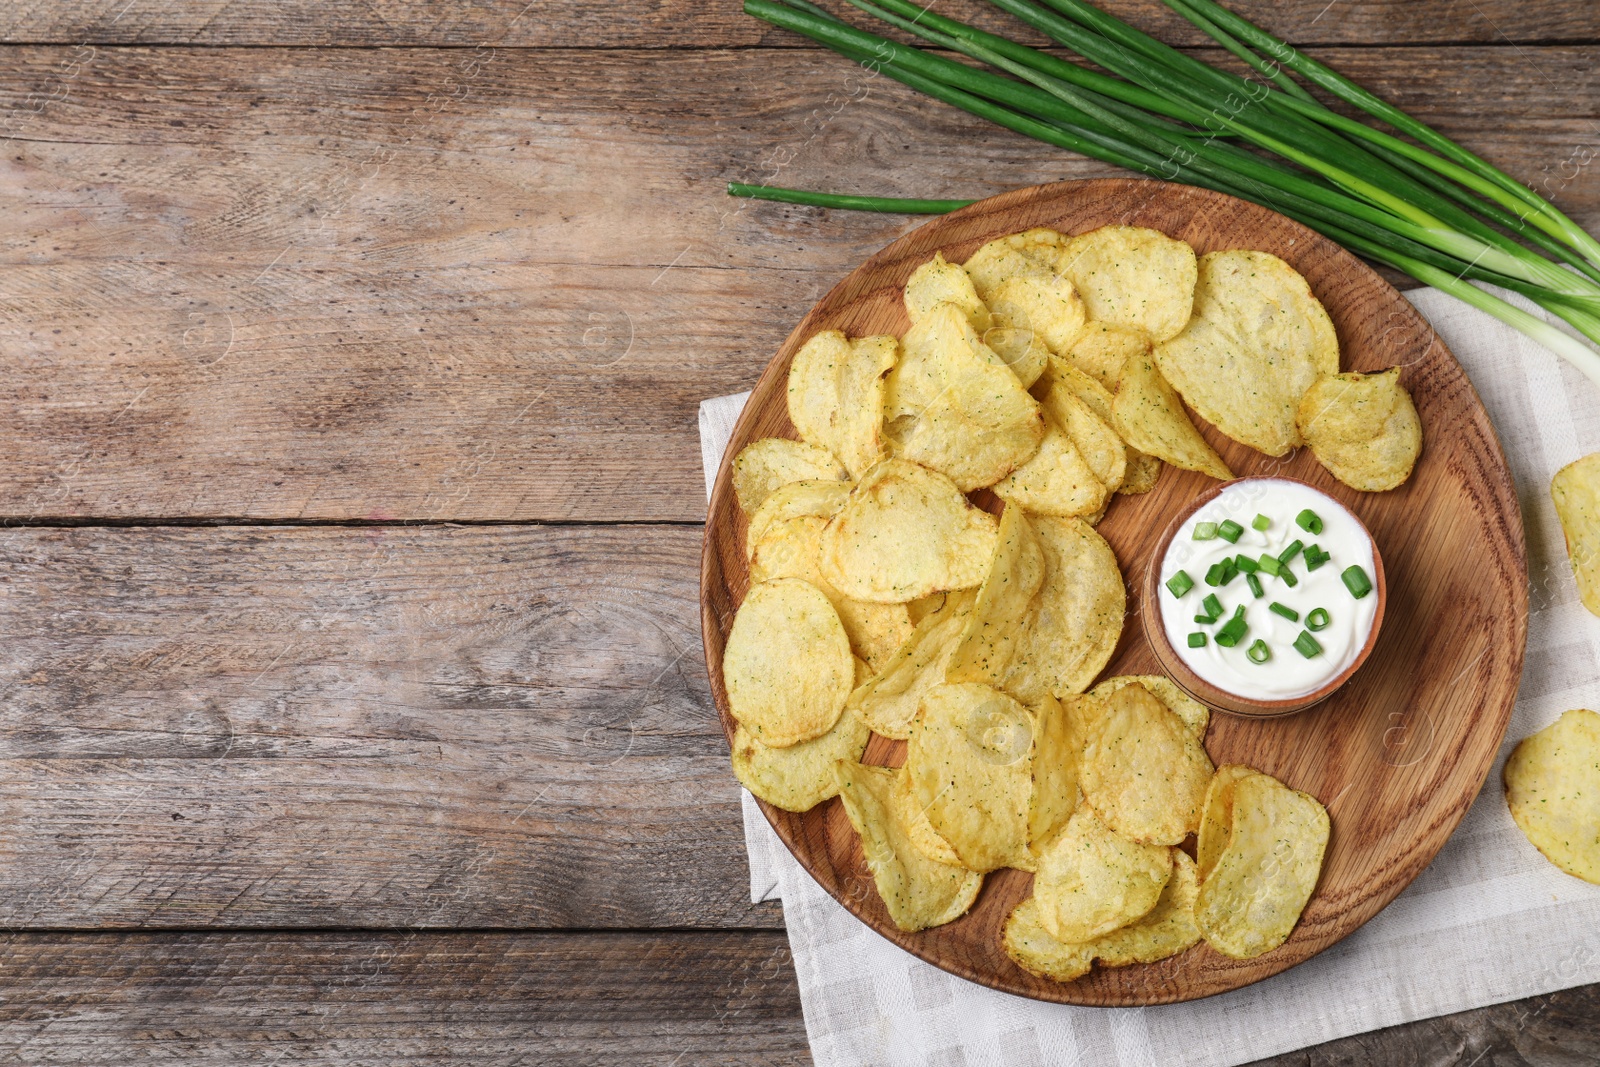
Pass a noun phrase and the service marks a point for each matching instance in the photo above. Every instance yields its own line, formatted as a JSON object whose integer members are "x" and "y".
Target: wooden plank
{"x": 279, "y": 284}
{"x": 681, "y": 24}
{"x": 655, "y": 999}
{"x": 362, "y": 726}
{"x": 492, "y": 1000}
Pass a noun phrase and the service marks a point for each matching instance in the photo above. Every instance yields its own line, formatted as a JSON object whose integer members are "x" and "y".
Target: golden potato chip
{"x": 1553, "y": 788}
{"x": 836, "y": 389}
{"x": 1166, "y": 930}
{"x": 1150, "y": 417}
{"x": 1043, "y": 303}
{"x": 799, "y": 777}
{"x": 1030, "y": 252}
{"x": 1057, "y": 480}
{"x": 796, "y": 500}
{"x": 1195, "y": 715}
{"x": 1363, "y": 428}
{"x": 1133, "y": 278}
{"x": 888, "y": 701}
{"x": 1143, "y": 472}
{"x": 787, "y": 665}
{"x": 1252, "y": 898}
{"x": 1092, "y": 880}
{"x": 1576, "y": 491}
{"x": 968, "y": 761}
{"x": 995, "y": 624}
{"x": 1019, "y": 349}
{"x": 922, "y": 607}
{"x": 1102, "y": 350}
{"x": 1076, "y": 617}
{"x": 1097, "y": 442}
{"x": 1060, "y": 728}
{"x": 1140, "y": 470}
{"x": 919, "y": 892}
{"x": 955, "y": 406}
{"x": 914, "y": 820}
{"x": 762, "y": 466}
{"x": 1144, "y": 772}
{"x": 1256, "y": 343}
{"x": 905, "y": 532}
{"x": 1216, "y": 816}
{"x": 937, "y": 282}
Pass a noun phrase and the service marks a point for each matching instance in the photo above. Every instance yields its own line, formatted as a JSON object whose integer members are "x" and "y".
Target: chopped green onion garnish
{"x": 1238, "y": 612}
{"x": 1262, "y": 522}
{"x": 1197, "y": 640}
{"x": 1259, "y": 652}
{"x": 1229, "y": 531}
{"x": 1309, "y": 521}
{"x": 1355, "y": 579}
{"x": 1214, "y": 574}
{"x": 1286, "y": 576}
{"x": 1315, "y": 557}
{"x": 1180, "y": 583}
{"x": 1255, "y": 586}
{"x": 1269, "y": 565}
{"x": 1232, "y": 632}
{"x": 1213, "y": 606}
{"x": 1284, "y": 610}
{"x": 1306, "y": 645}
{"x": 1246, "y": 564}
{"x": 1317, "y": 619}
{"x": 1289, "y": 553}
{"x": 1205, "y": 531}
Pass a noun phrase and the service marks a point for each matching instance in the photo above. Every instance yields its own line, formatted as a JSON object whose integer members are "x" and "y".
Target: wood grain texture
{"x": 1396, "y": 756}
{"x": 361, "y": 727}
{"x": 422, "y": 284}
{"x": 682, "y": 24}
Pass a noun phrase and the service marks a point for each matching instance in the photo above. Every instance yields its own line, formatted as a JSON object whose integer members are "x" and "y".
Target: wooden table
{"x": 355, "y": 709}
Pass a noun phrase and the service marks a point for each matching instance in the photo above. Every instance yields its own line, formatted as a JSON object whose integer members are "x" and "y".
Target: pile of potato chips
{"x": 1051, "y": 371}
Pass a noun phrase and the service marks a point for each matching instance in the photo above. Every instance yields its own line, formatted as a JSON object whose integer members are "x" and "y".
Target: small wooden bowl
{"x": 1155, "y": 630}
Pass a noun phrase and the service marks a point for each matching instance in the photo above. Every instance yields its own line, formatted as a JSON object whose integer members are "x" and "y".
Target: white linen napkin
{"x": 1490, "y": 920}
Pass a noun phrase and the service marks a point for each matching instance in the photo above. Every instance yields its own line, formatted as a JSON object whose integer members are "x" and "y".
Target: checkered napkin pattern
{"x": 1488, "y": 921}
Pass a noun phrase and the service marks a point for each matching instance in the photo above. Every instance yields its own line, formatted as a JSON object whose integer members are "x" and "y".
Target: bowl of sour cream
{"x": 1263, "y": 596}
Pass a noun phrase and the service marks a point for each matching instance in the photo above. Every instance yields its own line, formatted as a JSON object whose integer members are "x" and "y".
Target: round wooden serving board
{"x": 1397, "y": 755}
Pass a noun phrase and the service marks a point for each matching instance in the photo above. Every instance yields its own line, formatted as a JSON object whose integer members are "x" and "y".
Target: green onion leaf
{"x": 1315, "y": 557}
{"x": 1259, "y": 652}
{"x": 1269, "y": 565}
{"x": 1307, "y": 645}
{"x": 1286, "y": 576}
{"x": 1232, "y": 632}
{"x": 1261, "y": 522}
{"x": 1255, "y": 586}
{"x": 1197, "y": 640}
{"x": 1290, "y": 553}
{"x": 1213, "y": 606}
{"x": 1284, "y": 610}
{"x": 1246, "y": 564}
{"x": 1205, "y": 531}
{"x": 1180, "y": 583}
{"x": 1355, "y": 579}
{"x": 1309, "y": 521}
{"x": 1317, "y": 619}
{"x": 1229, "y": 531}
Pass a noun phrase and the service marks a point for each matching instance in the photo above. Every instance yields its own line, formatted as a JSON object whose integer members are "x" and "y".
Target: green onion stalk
{"x": 1425, "y": 206}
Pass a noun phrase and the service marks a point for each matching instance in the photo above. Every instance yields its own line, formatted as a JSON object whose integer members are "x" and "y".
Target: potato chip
{"x": 1030, "y": 252}
{"x": 1195, "y": 715}
{"x": 1216, "y": 815}
{"x": 787, "y": 665}
{"x": 1143, "y": 472}
{"x": 1044, "y": 303}
{"x": 799, "y": 777}
{"x": 919, "y": 892}
{"x": 796, "y": 500}
{"x": 1553, "y": 788}
{"x": 1133, "y": 278}
{"x": 968, "y": 761}
{"x": 994, "y": 626}
{"x": 1166, "y": 930}
{"x": 888, "y": 701}
{"x": 1363, "y": 428}
{"x": 762, "y": 466}
{"x": 1150, "y": 417}
{"x": 1092, "y": 880}
{"x": 1576, "y": 491}
{"x": 914, "y": 820}
{"x": 1258, "y": 340}
{"x": 1144, "y": 772}
{"x": 1060, "y": 728}
{"x": 938, "y": 282}
{"x": 1102, "y": 350}
{"x": 955, "y": 406}
{"x": 905, "y": 532}
{"x": 1019, "y": 349}
{"x": 1057, "y": 480}
{"x": 1097, "y": 442}
{"x": 836, "y": 389}
{"x": 1076, "y": 617}
{"x": 922, "y": 607}
{"x": 1252, "y": 898}
{"x": 789, "y": 548}
{"x": 1140, "y": 470}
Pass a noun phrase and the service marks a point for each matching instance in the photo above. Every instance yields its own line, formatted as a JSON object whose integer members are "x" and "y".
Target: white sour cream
{"x": 1288, "y": 673}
